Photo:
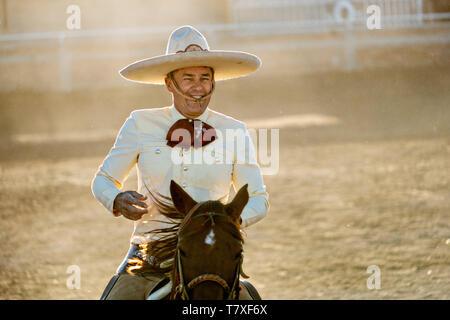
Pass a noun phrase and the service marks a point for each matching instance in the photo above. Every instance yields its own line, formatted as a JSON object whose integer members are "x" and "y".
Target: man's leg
{"x": 124, "y": 286}
{"x": 129, "y": 287}
{"x": 109, "y": 286}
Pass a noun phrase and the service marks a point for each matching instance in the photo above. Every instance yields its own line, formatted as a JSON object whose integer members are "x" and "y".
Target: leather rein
{"x": 181, "y": 288}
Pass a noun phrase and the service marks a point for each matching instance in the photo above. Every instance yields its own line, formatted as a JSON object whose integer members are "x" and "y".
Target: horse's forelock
{"x": 201, "y": 222}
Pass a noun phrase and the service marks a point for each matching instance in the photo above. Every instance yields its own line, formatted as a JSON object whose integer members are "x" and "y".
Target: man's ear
{"x": 235, "y": 207}
{"x": 168, "y": 84}
{"x": 181, "y": 200}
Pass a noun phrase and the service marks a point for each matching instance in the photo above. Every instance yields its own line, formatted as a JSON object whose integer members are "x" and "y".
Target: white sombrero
{"x": 187, "y": 47}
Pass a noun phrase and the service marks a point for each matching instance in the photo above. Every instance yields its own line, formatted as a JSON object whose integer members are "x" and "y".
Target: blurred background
{"x": 364, "y": 119}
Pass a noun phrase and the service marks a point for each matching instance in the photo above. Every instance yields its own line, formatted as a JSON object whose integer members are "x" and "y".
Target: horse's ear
{"x": 181, "y": 200}
{"x": 235, "y": 207}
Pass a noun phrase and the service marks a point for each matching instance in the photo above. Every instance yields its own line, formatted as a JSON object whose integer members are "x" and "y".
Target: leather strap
{"x": 251, "y": 290}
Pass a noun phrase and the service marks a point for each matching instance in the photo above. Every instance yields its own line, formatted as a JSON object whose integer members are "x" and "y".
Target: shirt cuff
{"x": 251, "y": 214}
{"x": 110, "y": 195}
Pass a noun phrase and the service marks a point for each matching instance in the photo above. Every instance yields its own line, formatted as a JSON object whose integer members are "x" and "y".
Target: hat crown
{"x": 186, "y": 38}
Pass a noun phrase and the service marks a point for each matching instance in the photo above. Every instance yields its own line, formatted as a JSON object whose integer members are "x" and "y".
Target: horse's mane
{"x": 162, "y": 247}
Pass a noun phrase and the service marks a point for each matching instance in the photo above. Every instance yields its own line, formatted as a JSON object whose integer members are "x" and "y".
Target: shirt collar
{"x": 176, "y": 115}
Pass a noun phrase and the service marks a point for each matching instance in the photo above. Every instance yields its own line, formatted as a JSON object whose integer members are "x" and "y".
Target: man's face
{"x": 195, "y": 82}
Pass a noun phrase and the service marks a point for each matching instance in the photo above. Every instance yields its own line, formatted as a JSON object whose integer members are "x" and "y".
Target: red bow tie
{"x": 190, "y": 132}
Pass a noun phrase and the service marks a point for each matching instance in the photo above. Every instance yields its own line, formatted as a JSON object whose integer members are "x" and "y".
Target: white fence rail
{"x": 250, "y": 18}
{"x": 300, "y": 16}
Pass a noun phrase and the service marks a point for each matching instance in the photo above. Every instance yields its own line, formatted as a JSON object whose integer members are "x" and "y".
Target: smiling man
{"x": 149, "y": 138}
{"x": 196, "y": 82}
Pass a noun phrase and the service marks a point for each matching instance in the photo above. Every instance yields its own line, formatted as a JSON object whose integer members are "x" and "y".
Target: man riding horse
{"x": 164, "y": 144}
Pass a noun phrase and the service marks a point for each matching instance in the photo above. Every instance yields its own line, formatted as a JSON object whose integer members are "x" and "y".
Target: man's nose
{"x": 198, "y": 85}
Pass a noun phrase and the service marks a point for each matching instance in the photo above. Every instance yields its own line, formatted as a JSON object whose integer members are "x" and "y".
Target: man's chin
{"x": 195, "y": 109}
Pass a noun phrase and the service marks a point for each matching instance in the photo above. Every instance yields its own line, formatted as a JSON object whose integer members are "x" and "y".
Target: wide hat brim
{"x": 226, "y": 65}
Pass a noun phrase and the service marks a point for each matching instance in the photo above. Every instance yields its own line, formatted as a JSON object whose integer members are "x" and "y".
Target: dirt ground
{"x": 373, "y": 189}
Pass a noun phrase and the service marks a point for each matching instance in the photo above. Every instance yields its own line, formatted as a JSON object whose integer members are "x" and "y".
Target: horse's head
{"x": 209, "y": 248}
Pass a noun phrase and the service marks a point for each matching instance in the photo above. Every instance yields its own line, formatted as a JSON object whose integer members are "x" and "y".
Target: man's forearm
{"x": 105, "y": 190}
{"x": 255, "y": 210}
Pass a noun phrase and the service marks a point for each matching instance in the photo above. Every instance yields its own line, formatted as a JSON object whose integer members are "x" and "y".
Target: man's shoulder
{"x": 151, "y": 113}
{"x": 150, "y": 118}
{"x": 224, "y": 121}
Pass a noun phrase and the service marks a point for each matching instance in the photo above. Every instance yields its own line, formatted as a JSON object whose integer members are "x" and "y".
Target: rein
{"x": 181, "y": 288}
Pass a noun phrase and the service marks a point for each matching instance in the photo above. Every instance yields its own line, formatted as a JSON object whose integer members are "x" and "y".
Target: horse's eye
{"x": 238, "y": 256}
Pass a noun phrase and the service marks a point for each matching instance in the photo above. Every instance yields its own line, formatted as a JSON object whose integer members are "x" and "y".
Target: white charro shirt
{"x": 206, "y": 173}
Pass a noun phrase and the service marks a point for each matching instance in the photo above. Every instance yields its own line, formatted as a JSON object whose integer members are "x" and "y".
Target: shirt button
{"x": 184, "y": 185}
{"x": 157, "y": 151}
{"x": 185, "y": 168}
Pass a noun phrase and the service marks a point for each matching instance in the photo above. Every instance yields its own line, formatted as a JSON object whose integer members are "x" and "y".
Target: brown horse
{"x": 201, "y": 250}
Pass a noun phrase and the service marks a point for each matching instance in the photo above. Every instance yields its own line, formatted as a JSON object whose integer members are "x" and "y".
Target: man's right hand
{"x": 130, "y": 205}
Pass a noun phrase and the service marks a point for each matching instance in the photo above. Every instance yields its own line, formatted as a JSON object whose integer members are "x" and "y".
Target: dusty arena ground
{"x": 370, "y": 189}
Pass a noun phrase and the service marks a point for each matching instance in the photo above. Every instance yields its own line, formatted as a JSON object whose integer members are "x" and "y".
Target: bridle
{"x": 181, "y": 288}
